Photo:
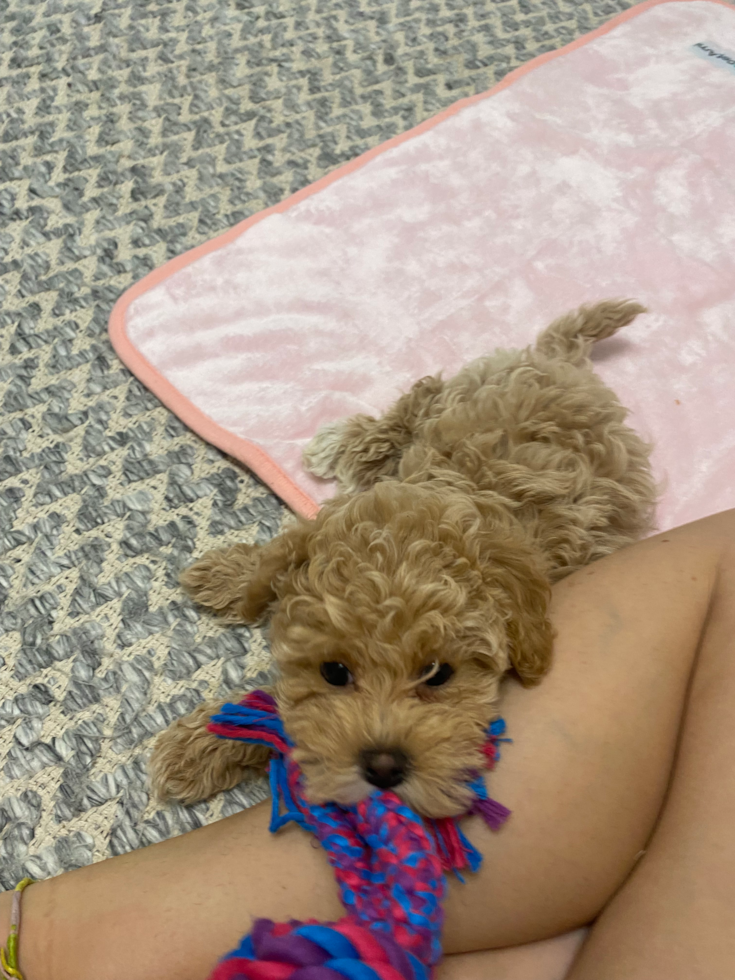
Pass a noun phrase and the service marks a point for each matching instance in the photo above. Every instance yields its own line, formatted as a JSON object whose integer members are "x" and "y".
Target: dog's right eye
{"x": 438, "y": 674}
{"x": 335, "y": 673}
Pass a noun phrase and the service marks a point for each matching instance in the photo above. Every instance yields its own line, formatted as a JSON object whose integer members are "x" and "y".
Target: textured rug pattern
{"x": 129, "y": 132}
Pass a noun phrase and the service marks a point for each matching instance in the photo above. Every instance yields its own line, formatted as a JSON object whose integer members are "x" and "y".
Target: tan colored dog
{"x": 397, "y": 611}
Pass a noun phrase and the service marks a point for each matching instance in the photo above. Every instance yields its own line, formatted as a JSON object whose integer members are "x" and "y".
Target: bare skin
{"x": 626, "y": 746}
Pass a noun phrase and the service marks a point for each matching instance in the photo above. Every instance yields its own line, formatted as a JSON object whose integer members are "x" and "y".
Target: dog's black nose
{"x": 384, "y": 768}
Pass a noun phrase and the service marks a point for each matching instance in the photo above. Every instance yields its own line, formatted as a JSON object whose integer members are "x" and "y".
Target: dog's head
{"x": 394, "y": 616}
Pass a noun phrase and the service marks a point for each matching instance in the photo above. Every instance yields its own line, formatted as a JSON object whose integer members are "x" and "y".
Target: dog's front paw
{"x": 321, "y": 456}
{"x": 189, "y": 764}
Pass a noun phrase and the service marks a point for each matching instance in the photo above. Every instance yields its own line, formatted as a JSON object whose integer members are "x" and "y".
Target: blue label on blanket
{"x": 716, "y": 54}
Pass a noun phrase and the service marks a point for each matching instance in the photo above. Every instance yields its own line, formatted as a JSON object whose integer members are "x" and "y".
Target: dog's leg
{"x": 571, "y": 336}
{"x": 188, "y": 763}
{"x": 358, "y": 451}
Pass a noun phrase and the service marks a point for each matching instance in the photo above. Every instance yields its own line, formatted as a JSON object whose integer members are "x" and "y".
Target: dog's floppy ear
{"x": 530, "y": 633}
{"x": 241, "y": 582}
{"x": 518, "y": 586}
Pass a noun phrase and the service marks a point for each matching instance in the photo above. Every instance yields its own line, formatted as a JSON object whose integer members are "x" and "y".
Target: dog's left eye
{"x": 335, "y": 673}
{"x": 441, "y": 674}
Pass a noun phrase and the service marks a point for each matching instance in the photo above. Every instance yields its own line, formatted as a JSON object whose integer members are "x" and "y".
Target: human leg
{"x": 547, "y": 959}
{"x": 585, "y": 776}
{"x": 593, "y": 745}
{"x": 675, "y": 917}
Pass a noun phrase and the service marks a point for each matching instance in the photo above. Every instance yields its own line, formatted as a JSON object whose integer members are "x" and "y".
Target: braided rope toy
{"x": 389, "y": 863}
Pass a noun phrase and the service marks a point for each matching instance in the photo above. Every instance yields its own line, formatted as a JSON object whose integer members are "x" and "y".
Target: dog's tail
{"x": 572, "y": 335}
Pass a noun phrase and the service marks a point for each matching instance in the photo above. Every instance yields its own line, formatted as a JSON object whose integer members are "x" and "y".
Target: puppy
{"x": 397, "y": 611}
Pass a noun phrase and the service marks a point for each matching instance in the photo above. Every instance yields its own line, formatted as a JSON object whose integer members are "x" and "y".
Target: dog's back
{"x": 539, "y": 428}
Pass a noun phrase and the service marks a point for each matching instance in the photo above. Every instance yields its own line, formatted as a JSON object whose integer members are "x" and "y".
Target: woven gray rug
{"x": 130, "y": 131}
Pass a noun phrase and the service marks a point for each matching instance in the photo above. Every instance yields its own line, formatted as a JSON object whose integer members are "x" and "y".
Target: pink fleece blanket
{"x": 605, "y": 169}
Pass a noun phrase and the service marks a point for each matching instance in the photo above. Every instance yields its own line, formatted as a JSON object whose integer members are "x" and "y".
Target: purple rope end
{"x": 493, "y": 813}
